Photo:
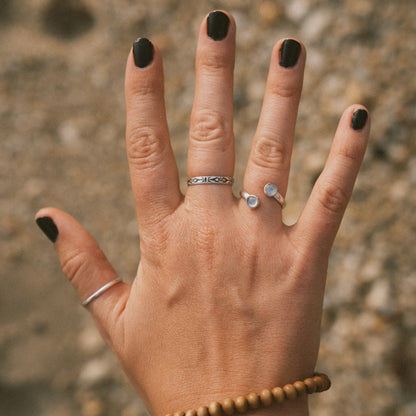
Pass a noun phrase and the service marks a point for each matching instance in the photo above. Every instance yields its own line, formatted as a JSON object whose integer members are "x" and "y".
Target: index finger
{"x": 153, "y": 171}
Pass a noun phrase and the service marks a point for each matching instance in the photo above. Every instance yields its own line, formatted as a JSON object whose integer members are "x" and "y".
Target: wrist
{"x": 291, "y": 399}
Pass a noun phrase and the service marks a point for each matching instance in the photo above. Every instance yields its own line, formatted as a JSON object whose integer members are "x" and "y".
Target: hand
{"x": 227, "y": 299}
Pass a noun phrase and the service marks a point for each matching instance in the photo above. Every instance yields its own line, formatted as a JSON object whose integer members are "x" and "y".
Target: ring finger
{"x": 269, "y": 159}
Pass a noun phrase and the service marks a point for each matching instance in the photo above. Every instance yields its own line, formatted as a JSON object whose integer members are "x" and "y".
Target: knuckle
{"x": 349, "y": 154}
{"x": 141, "y": 90}
{"x": 209, "y": 127}
{"x": 145, "y": 148}
{"x": 75, "y": 264}
{"x": 286, "y": 89}
{"x": 332, "y": 198}
{"x": 268, "y": 152}
{"x": 213, "y": 62}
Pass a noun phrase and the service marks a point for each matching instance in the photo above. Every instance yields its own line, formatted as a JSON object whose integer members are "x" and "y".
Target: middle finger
{"x": 211, "y": 140}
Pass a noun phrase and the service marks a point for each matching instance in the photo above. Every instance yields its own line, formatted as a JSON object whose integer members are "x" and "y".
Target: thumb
{"x": 86, "y": 267}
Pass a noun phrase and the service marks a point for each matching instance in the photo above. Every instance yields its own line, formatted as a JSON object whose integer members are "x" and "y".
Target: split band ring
{"x": 270, "y": 189}
{"x": 214, "y": 180}
{"x": 100, "y": 291}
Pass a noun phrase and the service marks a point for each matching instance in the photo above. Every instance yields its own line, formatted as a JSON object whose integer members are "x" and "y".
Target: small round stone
{"x": 190, "y": 413}
{"x": 270, "y": 189}
{"x": 252, "y": 201}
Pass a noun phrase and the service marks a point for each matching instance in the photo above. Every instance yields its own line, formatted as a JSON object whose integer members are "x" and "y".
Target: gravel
{"x": 62, "y": 126}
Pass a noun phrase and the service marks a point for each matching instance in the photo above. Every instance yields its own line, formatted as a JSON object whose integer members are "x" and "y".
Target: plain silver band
{"x": 214, "y": 180}
{"x": 100, "y": 291}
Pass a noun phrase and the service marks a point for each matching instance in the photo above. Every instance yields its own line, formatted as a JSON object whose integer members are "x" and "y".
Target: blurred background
{"x": 62, "y": 144}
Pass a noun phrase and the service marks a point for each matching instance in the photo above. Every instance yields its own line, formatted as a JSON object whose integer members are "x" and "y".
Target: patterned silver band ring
{"x": 270, "y": 189}
{"x": 214, "y": 180}
{"x": 100, "y": 291}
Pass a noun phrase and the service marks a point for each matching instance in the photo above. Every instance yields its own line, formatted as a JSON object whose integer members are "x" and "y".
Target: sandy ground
{"x": 62, "y": 127}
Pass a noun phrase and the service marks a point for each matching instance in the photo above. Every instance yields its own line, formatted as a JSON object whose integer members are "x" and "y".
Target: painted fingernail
{"x": 359, "y": 118}
{"x": 289, "y": 53}
{"x": 217, "y": 25}
{"x": 48, "y": 227}
{"x": 143, "y": 52}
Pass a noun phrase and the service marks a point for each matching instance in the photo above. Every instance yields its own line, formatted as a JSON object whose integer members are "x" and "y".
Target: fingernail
{"x": 289, "y": 53}
{"x": 217, "y": 25}
{"x": 359, "y": 118}
{"x": 143, "y": 52}
{"x": 48, "y": 227}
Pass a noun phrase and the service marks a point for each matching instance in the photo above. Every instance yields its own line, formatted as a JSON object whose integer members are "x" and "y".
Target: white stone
{"x": 252, "y": 201}
{"x": 270, "y": 189}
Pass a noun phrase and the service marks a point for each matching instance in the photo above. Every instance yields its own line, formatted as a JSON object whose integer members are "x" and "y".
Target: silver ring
{"x": 252, "y": 200}
{"x": 100, "y": 291}
{"x": 270, "y": 189}
{"x": 214, "y": 180}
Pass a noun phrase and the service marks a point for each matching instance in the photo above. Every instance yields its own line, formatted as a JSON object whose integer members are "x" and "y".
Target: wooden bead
{"x": 228, "y": 406}
{"x": 319, "y": 383}
{"x": 202, "y": 411}
{"x": 279, "y": 394}
{"x": 300, "y": 387}
{"x": 214, "y": 409}
{"x": 241, "y": 404}
{"x": 290, "y": 391}
{"x": 266, "y": 398}
{"x": 310, "y": 385}
{"x": 326, "y": 382}
{"x": 253, "y": 400}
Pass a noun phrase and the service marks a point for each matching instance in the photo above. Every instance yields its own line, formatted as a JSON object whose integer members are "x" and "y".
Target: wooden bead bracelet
{"x": 319, "y": 382}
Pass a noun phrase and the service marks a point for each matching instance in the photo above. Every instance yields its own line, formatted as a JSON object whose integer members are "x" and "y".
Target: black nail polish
{"x": 217, "y": 25}
{"x": 48, "y": 227}
{"x": 143, "y": 52}
{"x": 359, "y": 118}
{"x": 289, "y": 53}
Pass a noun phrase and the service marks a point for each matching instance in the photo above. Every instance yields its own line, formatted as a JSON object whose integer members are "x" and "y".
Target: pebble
{"x": 315, "y": 24}
{"x": 269, "y": 12}
{"x": 90, "y": 341}
{"x": 380, "y": 296}
{"x": 95, "y": 372}
{"x": 296, "y": 10}
{"x": 92, "y": 407}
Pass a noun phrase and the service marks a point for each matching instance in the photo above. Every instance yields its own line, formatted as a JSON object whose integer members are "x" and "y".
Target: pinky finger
{"x": 322, "y": 215}
{"x": 86, "y": 267}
